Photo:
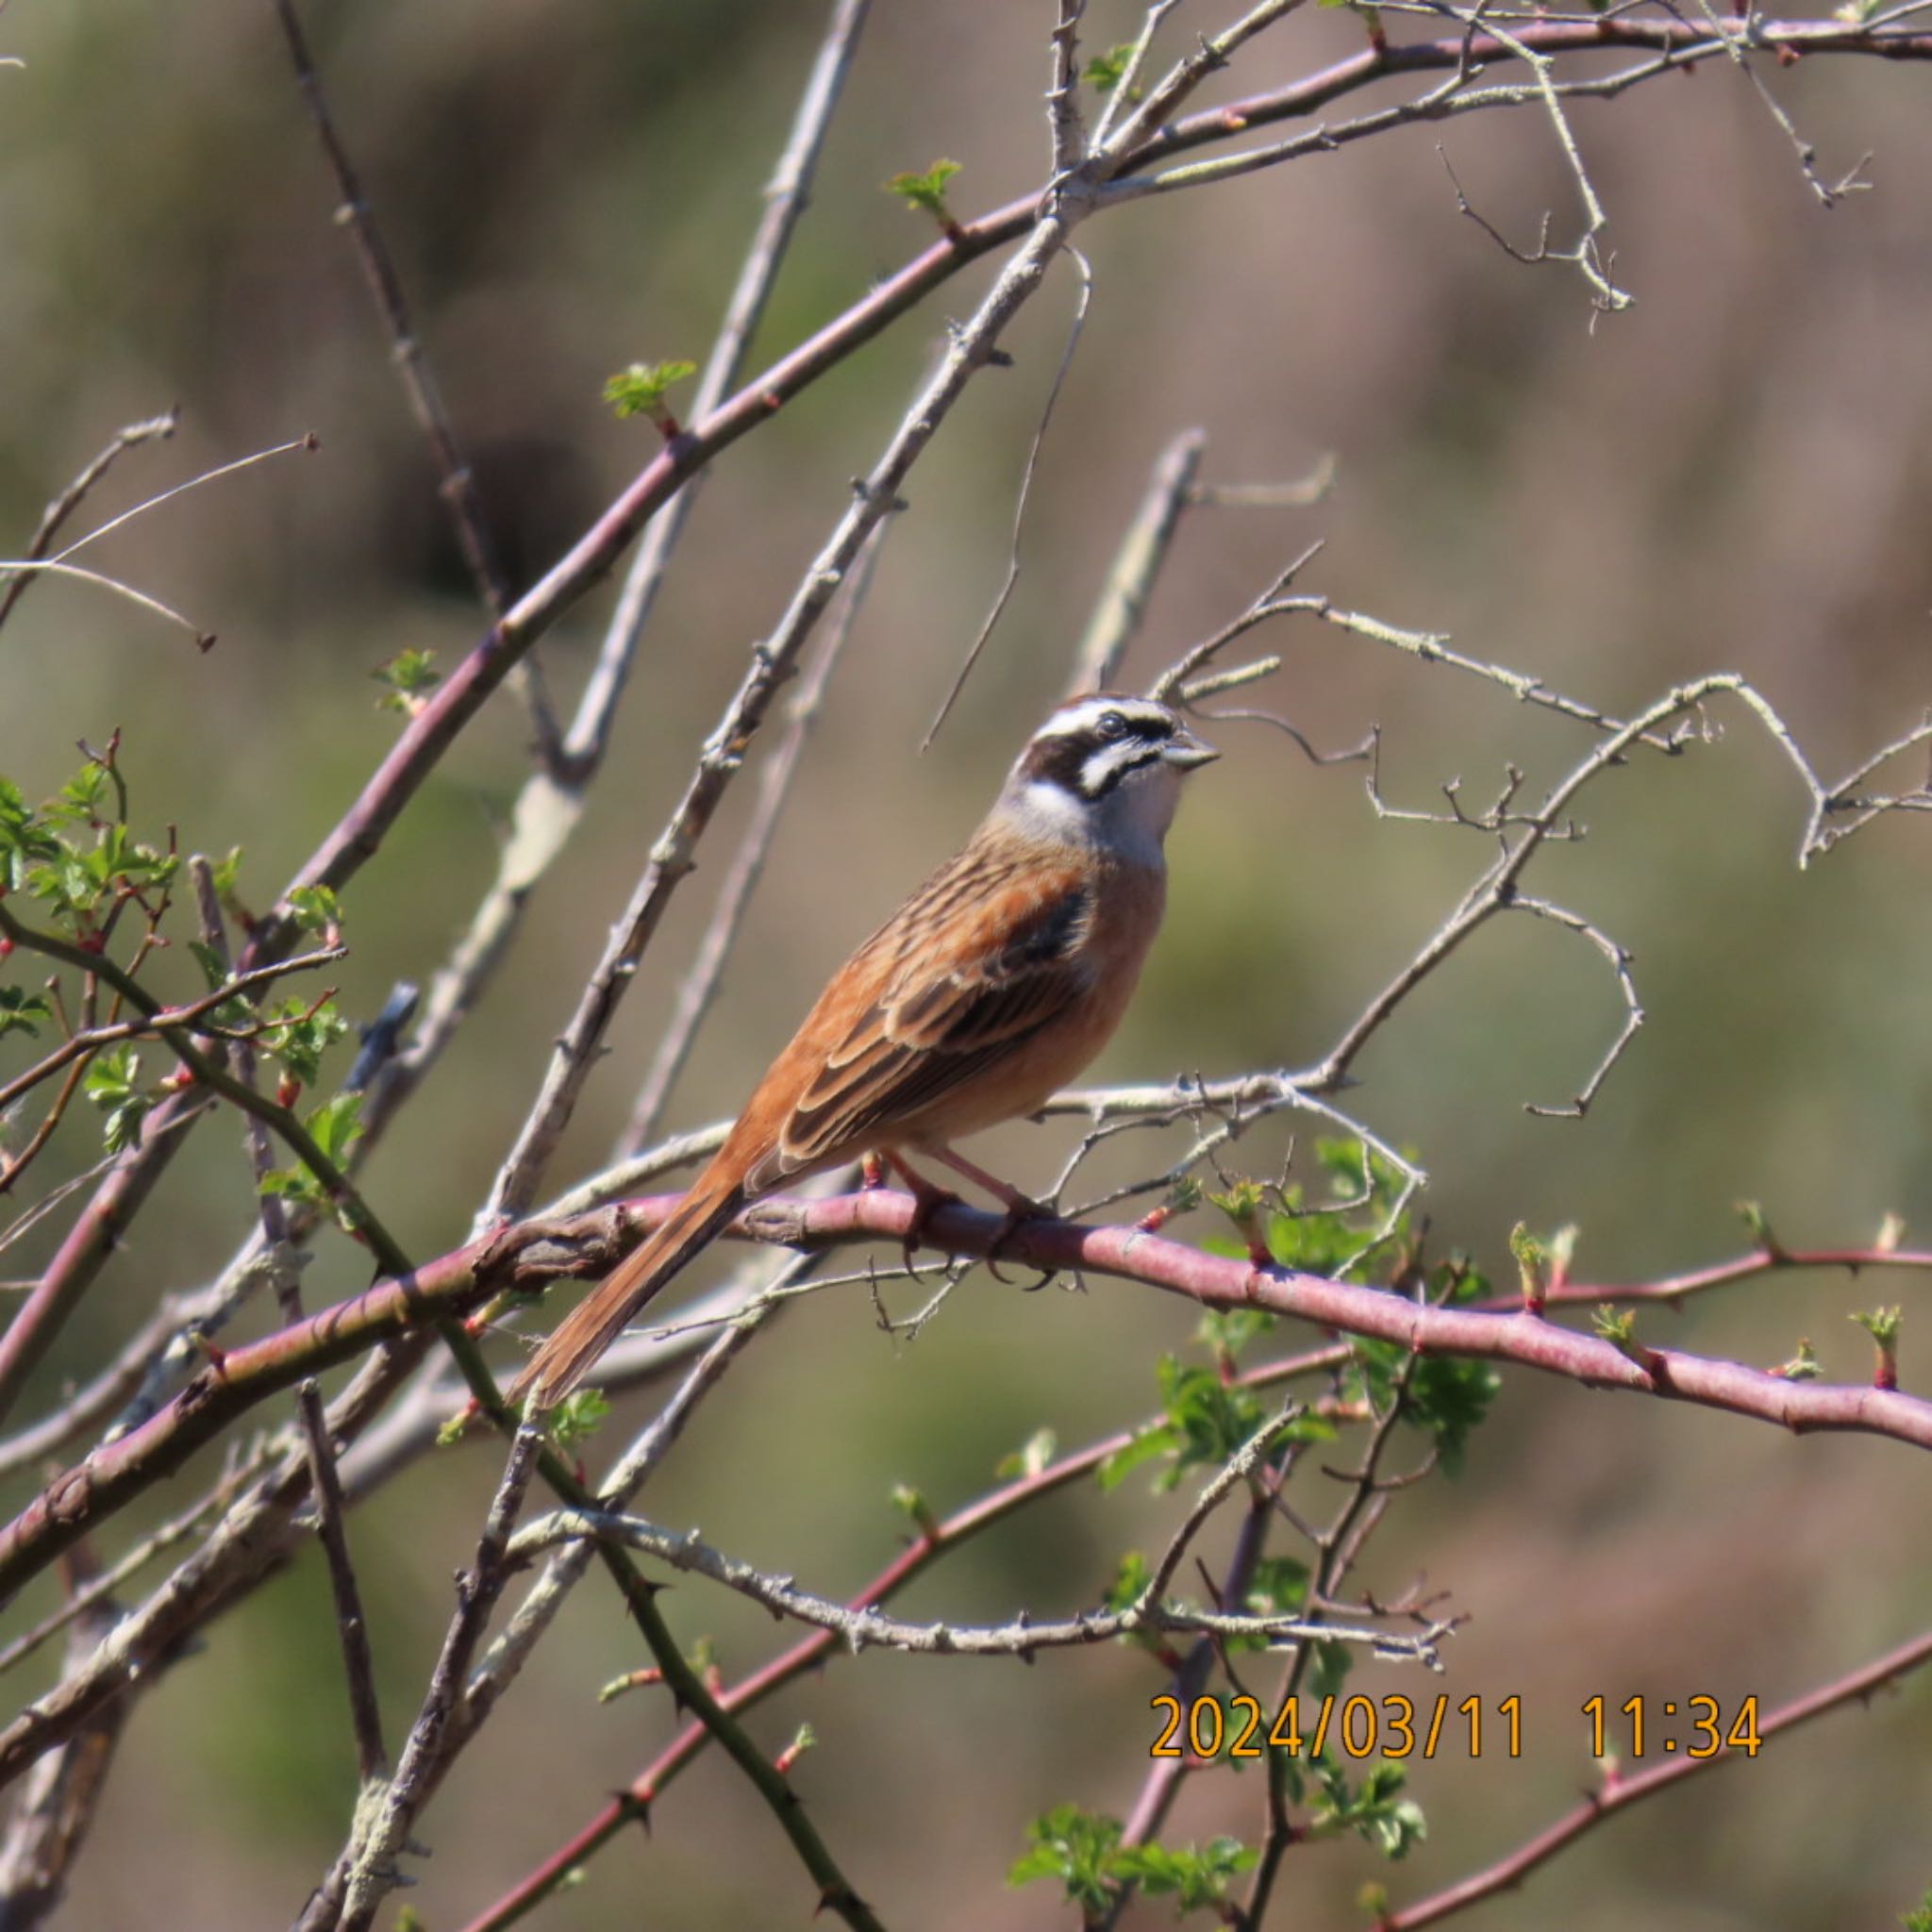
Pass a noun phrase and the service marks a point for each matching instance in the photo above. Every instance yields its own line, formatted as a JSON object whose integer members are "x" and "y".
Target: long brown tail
{"x": 596, "y": 1321}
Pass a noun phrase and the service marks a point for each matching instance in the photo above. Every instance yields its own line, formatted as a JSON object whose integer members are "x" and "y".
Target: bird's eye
{"x": 1112, "y": 725}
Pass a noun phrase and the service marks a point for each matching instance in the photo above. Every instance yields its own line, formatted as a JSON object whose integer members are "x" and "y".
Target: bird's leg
{"x": 1019, "y": 1207}
{"x": 872, "y": 1172}
{"x": 928, "y": 1199}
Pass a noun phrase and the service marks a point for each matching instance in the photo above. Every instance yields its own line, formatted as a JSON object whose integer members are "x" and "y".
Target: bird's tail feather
{"x": 594, "y": 1324}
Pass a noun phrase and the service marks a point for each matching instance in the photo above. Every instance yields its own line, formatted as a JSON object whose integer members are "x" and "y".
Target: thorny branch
{"x": 1127, "y": 155}
{"x": 857, "y": 1629}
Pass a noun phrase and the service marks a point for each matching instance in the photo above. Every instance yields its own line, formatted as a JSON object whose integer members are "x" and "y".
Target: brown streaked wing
{"x": 1015, "y": 971}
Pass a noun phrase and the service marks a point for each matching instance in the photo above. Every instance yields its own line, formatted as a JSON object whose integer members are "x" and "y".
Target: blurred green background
{"x": 1737, "y": 474}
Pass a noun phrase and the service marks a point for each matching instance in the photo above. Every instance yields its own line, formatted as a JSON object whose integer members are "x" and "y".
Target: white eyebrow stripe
{"x": 1076, "y": 719}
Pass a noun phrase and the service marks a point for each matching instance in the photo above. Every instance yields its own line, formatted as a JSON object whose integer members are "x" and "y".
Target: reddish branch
{"x": 1619, "y": 1792}
{"x": 534, "y": 1252}
{"x": 360, "y": 831}
{"x": 633, "y": 1802}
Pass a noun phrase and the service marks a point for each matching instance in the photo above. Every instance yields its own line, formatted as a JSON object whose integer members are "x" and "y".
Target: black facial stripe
{"x": 1088, "y": 761}
{"x": 1062, "y": 760}
{"x": 1122, "y": 755}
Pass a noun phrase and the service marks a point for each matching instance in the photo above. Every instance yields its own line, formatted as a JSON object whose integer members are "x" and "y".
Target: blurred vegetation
{"x": 1738, "y": 473}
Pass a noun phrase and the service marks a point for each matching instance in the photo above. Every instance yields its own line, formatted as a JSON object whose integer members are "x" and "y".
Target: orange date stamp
{"x": 1394, "y": 1727}
{"x": 1358, "y": 1726}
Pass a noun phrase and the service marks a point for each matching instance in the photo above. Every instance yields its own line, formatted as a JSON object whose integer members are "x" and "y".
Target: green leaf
{"x": 640, "y": 390}
{"x": 1882, "y": 1324}
{"x": 333, "y": 1126}
{"x": 1157, "y": 1440}
{"x": 1196, "y": 1879}
{"x": 1227, "y": 1332}
{"x": 1329, "y": 1663}
{"x": 1376, "y": 1812}
{"x": 926, "y": 191}
{"x": 579, "y": 1416}
{"x": 297, "y": 1038}
{"x": 336, "y": 1124}
{"x": 1030, "y": 1457}
{"x": 1211, "y": 1419}
{"x": 1919, "y": 1920}
{"x": 1616, "y": 1326}
{"x": 111, "y": 1085}
{"x": 20, "y": 1009}
{"x": 1130, "y": 1581}
{"x": 315, "y": 910}
{"x": 1077, "y": 1847}
{"x": 80, "y": 798}
{"x": 1450, "y": 1397}
{"x": 25, "y": 838}
{"x": 912, "y": 1503}
{"x": 410, "y": 676}
{"x": 1106, "y": 71}
{"x": 1803, "y": 1367}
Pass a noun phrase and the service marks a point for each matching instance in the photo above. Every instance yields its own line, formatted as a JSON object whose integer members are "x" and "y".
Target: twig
{"x": 1337, "y": 1546}
{"x": 533, "y": 1253}
{"x": 809, "y": 1653}
{"x": 56, "y": 1808}
{"x": 368, "y": 1865}
{"x": 1066, "y": 132}
{"x": 700, "y": 984}
{"x": 786, "y": 196}
{"x": 1123, "y": 605}
{"x": 1127, "y": 88}
{"x": 969, "y": 351}
{"x": 1075, "y": 330}
{"x": 91, "y": 1040}
{"x": 70, "y": 499}
{"x": 547, "y": 812}
{"x": 457, "y": 481}
{"x": 1622, "y": 1790}
{"x": 352, "y": 1624}
{"x": 1021, "y": 1636}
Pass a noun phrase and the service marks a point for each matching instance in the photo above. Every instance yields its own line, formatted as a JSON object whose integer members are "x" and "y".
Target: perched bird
{"x": 990, "y": 987}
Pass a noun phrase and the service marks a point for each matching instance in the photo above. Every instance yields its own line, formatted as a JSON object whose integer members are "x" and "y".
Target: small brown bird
{"x": 989, "y": 989}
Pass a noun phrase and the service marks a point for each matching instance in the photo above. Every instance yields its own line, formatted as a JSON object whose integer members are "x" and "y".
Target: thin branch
{"x": 368, "y": 1867}
{"x": 1075, "y": 328}
{"x": 58, "y": 1805}
{"x": 91, "y": 1040}
{"x": 700, "y": 984}
{"x": 1126, "y": 89}
{"x": 1066, "y": 131}
{"x": 156, "y": 427}
{"x": 1021, "y": 1636}
{"x": 1619, "y": 958}
{"x": 547, "y": 812}
{"x": 931, "y": 1545}
{"x": 970, "y": 349}
{"x": 526, "y": 1256}
{"x": 457, "y": 481}
{"x": 1124, "y": 598}
{"x": 352, "y": 1625}
{"x": 1619, "y": 1792}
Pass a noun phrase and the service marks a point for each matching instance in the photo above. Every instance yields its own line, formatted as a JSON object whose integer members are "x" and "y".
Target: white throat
{"x": 1127, "y": 823}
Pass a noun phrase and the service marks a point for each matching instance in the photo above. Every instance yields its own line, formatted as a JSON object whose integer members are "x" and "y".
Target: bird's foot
{"x": 1021, "y": 1208}
{"x": 928, "y": 1199}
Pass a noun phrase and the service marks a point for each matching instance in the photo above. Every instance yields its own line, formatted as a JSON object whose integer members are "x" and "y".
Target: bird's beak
{"x": 1188, "y": 752}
